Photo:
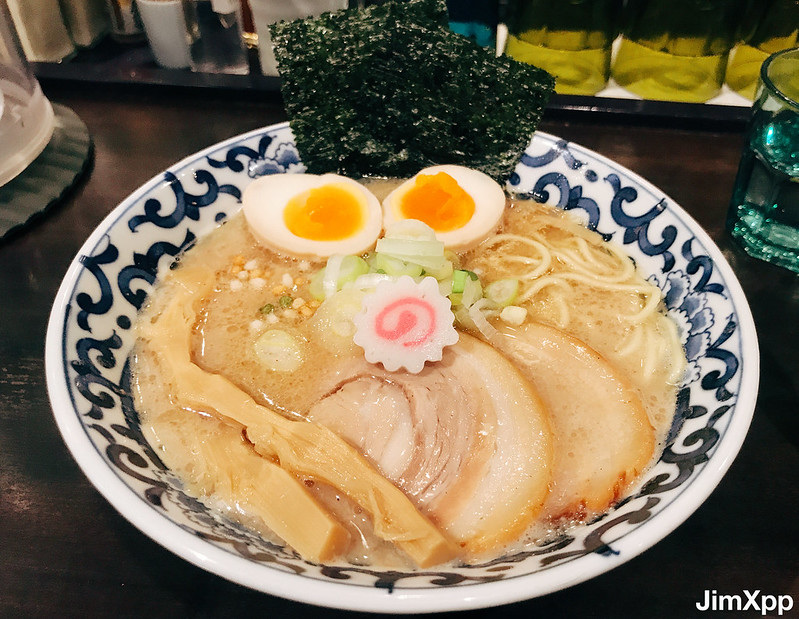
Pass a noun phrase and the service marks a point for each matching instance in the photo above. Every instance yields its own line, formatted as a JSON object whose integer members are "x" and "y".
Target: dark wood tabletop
{"x": 65, "y": 552}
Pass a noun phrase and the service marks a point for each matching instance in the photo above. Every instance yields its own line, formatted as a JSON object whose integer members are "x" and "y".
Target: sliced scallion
{"x": 339, "y": 270}
{"x": 410, "y": 247}
{"x": 502, "y": 292}
{"x": 472, "y": 292}
{"x": 396, "y": 267}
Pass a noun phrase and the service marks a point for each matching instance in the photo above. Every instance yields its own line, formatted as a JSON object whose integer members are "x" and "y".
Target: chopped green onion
{"x": 396, "y": 267}
{"x": 502, "y": 292}
{"x": 332, "y": 322}
{"x": 279, "y": 351}
{"x": 315, "y": 285}
{"x": 267, "y": 309}
{"x": 285, "y": 301}
{"x": 466, "y": 288}
{"x": 460, "y": 277}
{"x": 371, "y": 261}
{"x": 472, "y": 292}
{"x": 368, "y": 281}
{"x": 330, "y": 280}
{"x": 338, "y": 271}
{"x": 410, "y": 247}
{"x": 433, "y": 263}
{"x": 351, "y": 268}
{"x": 459, "y": 281}
{"x": 445, "y": 287}
{"x": 442, "y": 273}
{"x": 410, "y": 229}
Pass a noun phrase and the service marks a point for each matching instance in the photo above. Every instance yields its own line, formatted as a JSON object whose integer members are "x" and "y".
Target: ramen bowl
{"x": 90, "y": 338}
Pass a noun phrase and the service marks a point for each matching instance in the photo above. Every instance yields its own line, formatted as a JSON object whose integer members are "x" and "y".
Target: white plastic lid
{"x": 26, "y": 116}
{"x": 26, "y": 126}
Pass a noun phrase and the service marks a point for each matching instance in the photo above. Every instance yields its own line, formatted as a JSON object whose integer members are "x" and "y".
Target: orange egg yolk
{"x": 439, "y": 201}
{"x": 328, "y": 213}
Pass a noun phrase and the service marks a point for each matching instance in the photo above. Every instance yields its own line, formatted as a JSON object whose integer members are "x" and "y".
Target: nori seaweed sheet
{"x": 389, "y": 89}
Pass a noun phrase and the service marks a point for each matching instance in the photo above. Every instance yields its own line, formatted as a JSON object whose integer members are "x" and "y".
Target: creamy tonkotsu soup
{"x": 552, "y": 398}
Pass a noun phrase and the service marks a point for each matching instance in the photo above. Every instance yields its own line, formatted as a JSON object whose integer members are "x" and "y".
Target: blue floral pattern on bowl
{"x": 90, "y": 339}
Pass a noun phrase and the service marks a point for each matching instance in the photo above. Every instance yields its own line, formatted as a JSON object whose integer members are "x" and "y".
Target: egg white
{"x": 265, "y": 199}
{"x": 489, "y": 205}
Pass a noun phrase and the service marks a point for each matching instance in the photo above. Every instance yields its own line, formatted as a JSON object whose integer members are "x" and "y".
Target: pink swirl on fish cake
{"x": 412, "y": 316}
{"x": 405, "y": 324}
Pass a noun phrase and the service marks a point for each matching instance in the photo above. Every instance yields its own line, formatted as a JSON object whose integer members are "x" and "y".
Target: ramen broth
{"x": 254, "y": 289}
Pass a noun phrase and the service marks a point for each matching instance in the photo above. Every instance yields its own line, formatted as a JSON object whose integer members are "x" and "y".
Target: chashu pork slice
{"x": 467, "y": 439}
{"x": 602, "y": 436}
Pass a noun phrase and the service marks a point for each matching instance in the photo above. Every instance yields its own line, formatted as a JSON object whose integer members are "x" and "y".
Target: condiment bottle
{"x": 216, "y": 36}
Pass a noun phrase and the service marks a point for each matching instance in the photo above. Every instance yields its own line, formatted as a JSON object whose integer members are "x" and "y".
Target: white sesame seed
{"x": 250, "y": 264}
{"x": 290, "y": 314}
{"x": 298, "y": 303}
{"x": 257, "y": 282}
{"x": 236, "y": 284}
{"x": 287, "y": 280}
{"x": 271, "y": 318}
{"x": 304, "y": 265}
{"x": 256, "y": 325}
{"x": 242, "y": 275}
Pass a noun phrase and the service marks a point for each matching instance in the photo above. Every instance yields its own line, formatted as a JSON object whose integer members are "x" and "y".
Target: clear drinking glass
{"x": 266, "y": 12}
{"x": 216, "y": 36}
{"x": 26, "y": 116}
{"x": 87, "y": 20}
{"x": 126, "y": 26}
{"x": 764, "y": 213}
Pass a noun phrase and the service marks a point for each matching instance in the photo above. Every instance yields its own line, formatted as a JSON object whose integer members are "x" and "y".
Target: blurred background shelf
{"x": 111, "y": 63}
{"x": 131, "y": 66}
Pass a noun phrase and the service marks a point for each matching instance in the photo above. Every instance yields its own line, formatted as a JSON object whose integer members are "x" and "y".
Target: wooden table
{"x": 65, "y": 552}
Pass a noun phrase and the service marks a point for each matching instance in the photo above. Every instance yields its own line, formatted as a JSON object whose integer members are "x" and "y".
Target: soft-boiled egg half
{"x": 462, "y": 205}
{"x": 312, "y": 215}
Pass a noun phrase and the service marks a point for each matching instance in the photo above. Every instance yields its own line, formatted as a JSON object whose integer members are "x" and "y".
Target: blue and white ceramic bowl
{"x": 90, "y": 338}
